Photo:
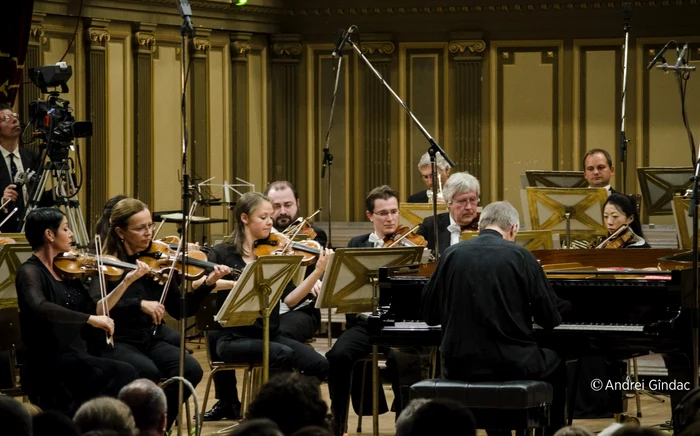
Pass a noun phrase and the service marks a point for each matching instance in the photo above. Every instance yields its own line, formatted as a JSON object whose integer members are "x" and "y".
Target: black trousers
{"x": 285, "y": 355}
{"x": 403, "y": 369}
{"x": 75, "y": 379}
{"x": 554, "y": 373}
{"x": 301, "y": 324}
{"x": 160, "y": 359}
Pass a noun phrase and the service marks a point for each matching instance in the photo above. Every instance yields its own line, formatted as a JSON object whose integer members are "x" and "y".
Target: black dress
{"x": 155, "y": 356}
{"x": 59, "y": 373}
{"x": 244, "y": 344}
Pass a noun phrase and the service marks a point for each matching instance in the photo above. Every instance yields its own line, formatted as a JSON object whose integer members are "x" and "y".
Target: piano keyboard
{"x": 602, "y": 327}
{"x": 412, "y": 325}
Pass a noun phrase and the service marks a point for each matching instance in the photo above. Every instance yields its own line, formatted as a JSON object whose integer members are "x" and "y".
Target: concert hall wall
{"x": 503, "y": 86}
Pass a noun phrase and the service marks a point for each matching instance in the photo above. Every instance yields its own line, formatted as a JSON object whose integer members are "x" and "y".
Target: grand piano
{"x": 609, "y": 304}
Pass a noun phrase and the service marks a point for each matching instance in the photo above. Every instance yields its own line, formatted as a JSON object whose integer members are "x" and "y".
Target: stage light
{"x": 241, "y": 2}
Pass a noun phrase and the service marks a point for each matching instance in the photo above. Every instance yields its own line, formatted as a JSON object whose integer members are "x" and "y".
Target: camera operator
{"x": 16, "y": 160}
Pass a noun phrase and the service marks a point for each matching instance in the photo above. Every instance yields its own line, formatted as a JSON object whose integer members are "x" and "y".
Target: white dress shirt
{"x": 20, "y": 168}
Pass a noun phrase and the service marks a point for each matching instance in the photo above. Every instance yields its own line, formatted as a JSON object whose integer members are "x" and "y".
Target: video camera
{"x": 52, "y": 118}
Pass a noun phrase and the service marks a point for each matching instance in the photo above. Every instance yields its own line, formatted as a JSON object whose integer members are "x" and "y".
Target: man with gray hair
{"x": 426, "y": 173}
{"x": 461, "y": 193}
{"x": 148, "y": 405}
{"x": 485, "y": 293}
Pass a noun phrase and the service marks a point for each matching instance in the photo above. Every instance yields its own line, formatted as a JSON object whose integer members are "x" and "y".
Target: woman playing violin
{"x": 620, "y": 210}
{"x": 54, "y": 313}
{"x": 253, "y": 224}
{"x": 152, "y": 352}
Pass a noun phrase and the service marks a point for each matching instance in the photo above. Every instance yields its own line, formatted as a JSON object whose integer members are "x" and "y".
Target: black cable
{"x": 75, "y": 31}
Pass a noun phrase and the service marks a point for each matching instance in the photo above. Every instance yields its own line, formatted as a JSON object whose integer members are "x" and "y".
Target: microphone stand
{"x": 627, "y": 12}
{"x": 434, "y": 147}
{"x": 328, "y": 161}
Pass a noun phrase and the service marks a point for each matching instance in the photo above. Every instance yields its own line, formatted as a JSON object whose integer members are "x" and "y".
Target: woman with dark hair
{"x": 154, "y": 354}
{"x": 621, "y": 210}
{"x": 102, "y": 226}
{"x": 252, "y": 223}
{"x": 59, "y": 373}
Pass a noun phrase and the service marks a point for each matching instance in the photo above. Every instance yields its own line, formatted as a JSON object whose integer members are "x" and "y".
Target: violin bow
{"x": 103, "y": 284}
{"x": 14, "y": 211}
{"x": 299, "y": 227}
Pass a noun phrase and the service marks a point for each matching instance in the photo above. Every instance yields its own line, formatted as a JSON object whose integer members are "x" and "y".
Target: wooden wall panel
{"x": 599, "y": 115}
{"x": 118, "y": 139}
{"x": 527, "y": 105}
{"x": 257, "y": 119}
{"x": 219, "y": 128}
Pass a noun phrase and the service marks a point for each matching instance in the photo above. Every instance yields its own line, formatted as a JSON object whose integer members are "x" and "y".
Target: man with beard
{"x": 300, "y": 322}
{"x": 461, "y": 193}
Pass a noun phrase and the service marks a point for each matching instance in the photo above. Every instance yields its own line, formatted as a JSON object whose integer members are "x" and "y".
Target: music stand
{"x": 684, "y": 226}
{"x": 529, "y": 239}
{"x": 351, "y": 285}
{"x": 412, "y": 214}
{"x": 12, "y": 256}
{"x": 574, "y": 212}
{"x": 256, "y": 292}
{"x": 556, "y": 179}
{"x": 660, "y": 185}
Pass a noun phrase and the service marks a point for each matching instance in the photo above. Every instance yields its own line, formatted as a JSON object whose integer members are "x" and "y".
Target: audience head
{"x": 382, "y": 208}
{"x": 14, "y": 418}
{"x": 573, "y": 431}
{"x": 461, "y": 193}
{"x": 502, "y": 217}
{"x": 426, "y": 169}
{"x": 51, "y": 423}
{"x": 292, "y": 401}
{"x": 148, "y": 405}
{"x": 620, "y": 209}
{"x": 438, "y": 417}
{"x": 312, "y": 430}
{"x": 257, "y": 427}
{"x": 598, "y": 168}
{"x": 285, "y": 203}
{"x": 687, "y": 412}
{"x": 105, "y": 413}
{"x": 405, "y": 419}
{"x": 634, "y": 430}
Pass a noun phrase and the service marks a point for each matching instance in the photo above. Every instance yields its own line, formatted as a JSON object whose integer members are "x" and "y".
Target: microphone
{"x": 681, "y": 56}
{"x": 659, "y": 55}
{"x": 24, "y": 177}
{"x": 339, "y": 43}
{"x": 183, "y": 6}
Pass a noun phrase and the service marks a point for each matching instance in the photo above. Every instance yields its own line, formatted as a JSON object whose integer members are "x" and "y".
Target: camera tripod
{"x": 63, "y": 176}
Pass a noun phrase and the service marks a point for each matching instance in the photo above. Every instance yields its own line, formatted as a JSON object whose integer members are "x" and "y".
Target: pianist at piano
{"x": 485, "y": 293}
{"x": 382, "y": 206}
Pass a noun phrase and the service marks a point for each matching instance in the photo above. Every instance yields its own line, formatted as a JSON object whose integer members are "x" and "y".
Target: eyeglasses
{"x": 463, "y": 202}
{"x": 7, "y": 117}
{"x": 144, "y": 228}
{"x": 386, "y": 213}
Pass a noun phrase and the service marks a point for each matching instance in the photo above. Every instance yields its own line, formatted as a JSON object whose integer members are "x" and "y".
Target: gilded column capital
{"x": 201, "y": 42}
{"x": 465, "y": 48}
{"x": 97, "y": 33}
{"x": 286, "y": 47}
{"x": 36, "y": 32}
{"x": 144, "y": 38}
{"x": 241, "y": 45}
{"x": 377, "y": 47}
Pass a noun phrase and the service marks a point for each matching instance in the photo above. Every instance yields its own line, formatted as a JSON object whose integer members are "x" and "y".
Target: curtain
{"x": 15, "y": 24}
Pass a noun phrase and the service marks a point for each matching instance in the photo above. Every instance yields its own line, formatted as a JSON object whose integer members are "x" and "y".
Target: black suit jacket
{"x": 30, "y": 160}
{"x": 361, "y": 241}
{"x": 419, "y": 197}
{"x": 427, "y": 230}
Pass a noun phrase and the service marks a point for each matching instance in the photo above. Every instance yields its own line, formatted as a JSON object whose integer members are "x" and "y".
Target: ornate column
{"x": 240, "y": 48}
{"x": 284, "y": 155}
{"x": 467, "y": 56}
{"x": 29, "y": 92}
{"x": 97, "y": 35}
{"x": 144, "y": 43}
{"x": 376, "y": 112}
{"x": 199, "y": 116}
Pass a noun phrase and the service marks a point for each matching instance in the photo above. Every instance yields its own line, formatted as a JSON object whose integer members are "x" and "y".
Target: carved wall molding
{"x": 285, "y": 46}
{"x": 377, "y": 47}
{"x": 201, "y": 44}
{"x": 241, "y": 44}
{"x": 97, "y": 33}
{"x": 462, "y": 46}
{"x": 145, "y": 40}
{"x": 37, "y": 32}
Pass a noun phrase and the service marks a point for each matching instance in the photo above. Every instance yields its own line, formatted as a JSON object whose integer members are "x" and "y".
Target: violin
{"x": 159, "y": 257}
{"x": 619, "y": 238}
{"x": 74, "y": 265}
{"x": 302, "y": 226}
{"x": 277, "y": 244}
{"x": 405, "y": 237}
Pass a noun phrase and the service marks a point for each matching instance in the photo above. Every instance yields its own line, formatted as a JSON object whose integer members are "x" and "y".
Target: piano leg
{"x": 375, "y": 390}
{"x": 679, "y": 370}
{"x": 571, "y": 401}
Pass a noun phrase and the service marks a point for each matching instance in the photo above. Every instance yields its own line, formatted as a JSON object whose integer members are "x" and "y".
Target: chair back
{"x": 11, "y": 337}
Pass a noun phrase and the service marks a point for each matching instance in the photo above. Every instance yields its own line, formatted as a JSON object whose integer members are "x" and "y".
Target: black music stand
{"x": 556, "y": 179}
{"x": 659, "y": 185}
{"x": 351, "y": 285}
{"x": 256, "y": 292}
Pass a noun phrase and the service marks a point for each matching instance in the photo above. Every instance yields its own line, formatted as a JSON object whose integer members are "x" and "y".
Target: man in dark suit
{"x": 461, "y": 193}
{"x": 598, "y": 169}
{"x": 16, "y": 160}
{"x": 426, "y": 172}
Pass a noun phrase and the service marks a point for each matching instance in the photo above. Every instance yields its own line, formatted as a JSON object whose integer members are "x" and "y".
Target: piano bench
{"x": 513, "y": 405}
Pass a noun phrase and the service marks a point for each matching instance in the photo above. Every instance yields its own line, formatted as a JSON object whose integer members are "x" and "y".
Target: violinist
{"x": 60, "y": 373}
{"x": 382, "y": 209}
{"x": 301, "y": 321}
{"x": 461, "y": 192}
{"x": 253, "y": 224}
{"x": 426, "y": 173}
{"x": 153, "y": 354}
{"x": 620, "y": 210}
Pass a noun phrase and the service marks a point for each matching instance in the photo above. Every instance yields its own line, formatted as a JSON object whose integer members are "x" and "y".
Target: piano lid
{"x": 625, "y": 258}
